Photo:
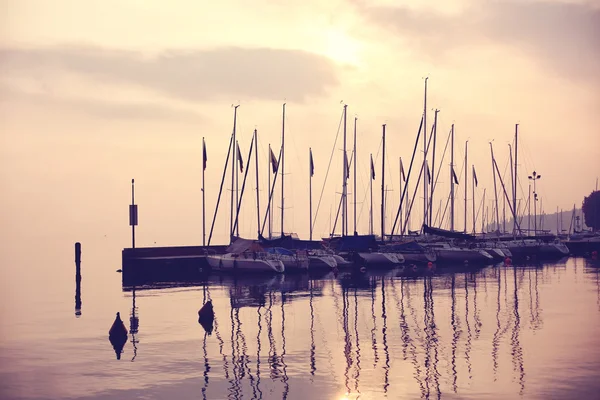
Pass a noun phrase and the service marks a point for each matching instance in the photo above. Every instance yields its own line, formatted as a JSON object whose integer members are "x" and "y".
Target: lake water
{"x": 500, "y": 332}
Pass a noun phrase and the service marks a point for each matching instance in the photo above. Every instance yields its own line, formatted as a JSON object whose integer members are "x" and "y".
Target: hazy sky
{"x": 95, "y": 93}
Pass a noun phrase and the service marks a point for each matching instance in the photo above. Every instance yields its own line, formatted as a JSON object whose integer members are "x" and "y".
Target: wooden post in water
{"x": 77, "y": 279}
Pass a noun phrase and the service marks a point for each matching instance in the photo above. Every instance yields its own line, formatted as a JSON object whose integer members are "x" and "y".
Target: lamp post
{"x": 534, "y": 177}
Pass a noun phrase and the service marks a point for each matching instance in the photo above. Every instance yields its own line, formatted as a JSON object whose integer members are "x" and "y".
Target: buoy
{"x": 206, "y": 317}
{"x": 363, "y": 269}
{"x": 117, "y": 335}
{"x": 118, "y": 327}
{"x": 507, "y": 261}
{"x": 429, "y": 265}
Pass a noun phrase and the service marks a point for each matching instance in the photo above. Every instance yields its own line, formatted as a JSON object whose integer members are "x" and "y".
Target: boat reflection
{"x": 361, "y": 329}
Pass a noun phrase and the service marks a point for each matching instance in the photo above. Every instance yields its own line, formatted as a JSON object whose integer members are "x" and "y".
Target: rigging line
{"x": 435, "y": 182}
{"x": 423, "y": 170}
{"x": 367, "y": 189}
{"x": 448, "y": 201}
{"x": 441, "y": 161}
{"x": 408, "y": 177}
{"x": 328, "y": 167}
{"x": 444, "y": 213}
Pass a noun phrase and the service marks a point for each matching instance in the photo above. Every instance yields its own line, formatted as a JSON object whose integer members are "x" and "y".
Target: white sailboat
{"x": 246, "y": 256}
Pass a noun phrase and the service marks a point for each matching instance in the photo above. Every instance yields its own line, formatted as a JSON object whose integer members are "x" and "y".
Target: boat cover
{"x": 448, "y": 234}
{"x": 242, "y": 245}
{"x": 289, "y": 242}
{"x": 408, "y": 247}
{"x": 279, "y": 250}
{"x": 353, "y": 243}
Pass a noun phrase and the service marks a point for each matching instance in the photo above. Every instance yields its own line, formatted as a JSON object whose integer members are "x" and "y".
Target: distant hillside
{"x": 546, "y": 222}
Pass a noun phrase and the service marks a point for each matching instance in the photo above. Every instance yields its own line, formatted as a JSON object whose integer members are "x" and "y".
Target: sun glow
{"x": 341, "y": 47}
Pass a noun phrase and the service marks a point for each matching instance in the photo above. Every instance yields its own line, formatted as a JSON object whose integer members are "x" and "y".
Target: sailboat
{"x": 245, "y": 255}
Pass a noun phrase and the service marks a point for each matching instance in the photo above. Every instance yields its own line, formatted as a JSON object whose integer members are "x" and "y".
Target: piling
{"x": 77, "y": 279}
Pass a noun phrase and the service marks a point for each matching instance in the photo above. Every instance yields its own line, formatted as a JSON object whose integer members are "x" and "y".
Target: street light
{"x": 534, "y": 177}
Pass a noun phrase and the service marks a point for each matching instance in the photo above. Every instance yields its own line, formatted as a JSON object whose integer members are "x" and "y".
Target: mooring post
{"x": 77, "y": 279}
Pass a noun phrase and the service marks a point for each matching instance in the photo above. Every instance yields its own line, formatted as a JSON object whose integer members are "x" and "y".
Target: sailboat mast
{"x": 482, "y": 218}
{"x": 473, "y": 201}
{"x": 354, "y": 186}
{"x": 282, "y": 165}
{"x": 516, "y": 176}
{"x": 400, "y": 190}
{"x": 433, "y": 167}
{"x": 203, "y": 194}
{"x": 495, "y": 189}
{"x": 452, "y": 178}
{"x": 344, "y": 179}
{"x": 257, "y": 185}
{"x": 425, "y": 182}
{"x": 466, "y": 177}
{"x": 371, "y": 206}
{"x": 514, "y": 188}
{"x": 233, "y": 169}
{"x": 237, "y": 195}
{"x": 383, "y": 185}
{"x": 529, "y": 212}
{"x": 269, "y": 195}
{"x": 310, "y": 174}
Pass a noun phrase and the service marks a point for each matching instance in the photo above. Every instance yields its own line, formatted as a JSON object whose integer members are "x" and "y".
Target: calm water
{"x": 497, "y": 333}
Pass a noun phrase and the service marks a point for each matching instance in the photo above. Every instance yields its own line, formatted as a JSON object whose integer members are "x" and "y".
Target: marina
{"x": 329, "y": 200}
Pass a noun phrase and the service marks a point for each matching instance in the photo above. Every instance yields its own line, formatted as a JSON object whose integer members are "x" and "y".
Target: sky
{"x": 95, "y": 93}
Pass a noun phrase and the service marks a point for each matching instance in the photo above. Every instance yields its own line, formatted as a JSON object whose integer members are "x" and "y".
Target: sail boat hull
{"x": 381, "y": 258}
{"x": 244, "y": 263}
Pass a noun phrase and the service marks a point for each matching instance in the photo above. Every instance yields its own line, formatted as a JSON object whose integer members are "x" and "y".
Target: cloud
{"x": 562, "y": 36}
{"x": 227, "y": 73}
{"x": 99, "y": 108}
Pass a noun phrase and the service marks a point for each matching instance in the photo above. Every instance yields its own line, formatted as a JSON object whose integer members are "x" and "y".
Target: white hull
{"x": 340, "y": 260}
{"x": 449, "y": 254}
{"x": 382, "y": 258}
{"x": 244, "y": 263}
{"x": 294, "y": 264}
{"x": 318, "y": 262}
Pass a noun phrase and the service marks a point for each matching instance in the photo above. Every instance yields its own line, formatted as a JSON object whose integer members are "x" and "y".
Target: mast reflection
{"x": 286, "y": 387}
{"x": 517, "y": 351}
{"x": 374, "y": 330}
{"x": 468, "y": 345}
{"x": 357, "y": 373}
{"x": 455, "y": 322}
{"x": 258, "y": 348}
{"x": 313, "y": 366}
{"x": 384, "y": 338}
{"x": 347, "y": 341}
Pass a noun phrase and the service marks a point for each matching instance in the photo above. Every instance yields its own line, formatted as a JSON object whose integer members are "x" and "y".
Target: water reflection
{"x": 134, "y": 324}
{"x": 281, "y": 329}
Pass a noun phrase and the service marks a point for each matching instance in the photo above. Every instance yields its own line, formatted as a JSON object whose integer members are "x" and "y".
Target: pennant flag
{"x": 454, "y": 176}
{"x": 239, "y": 157}
{"x": 274, "y": 162}
{"x": 346, "y": 165}
{"x": 204, "y": 157}
{"x": 312, "y": 165}
{"x": 372, "y": 169}
{"x": 402, "y": 171}
{"x": 474, "y": 176}
{"x": 428, "y": 173}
